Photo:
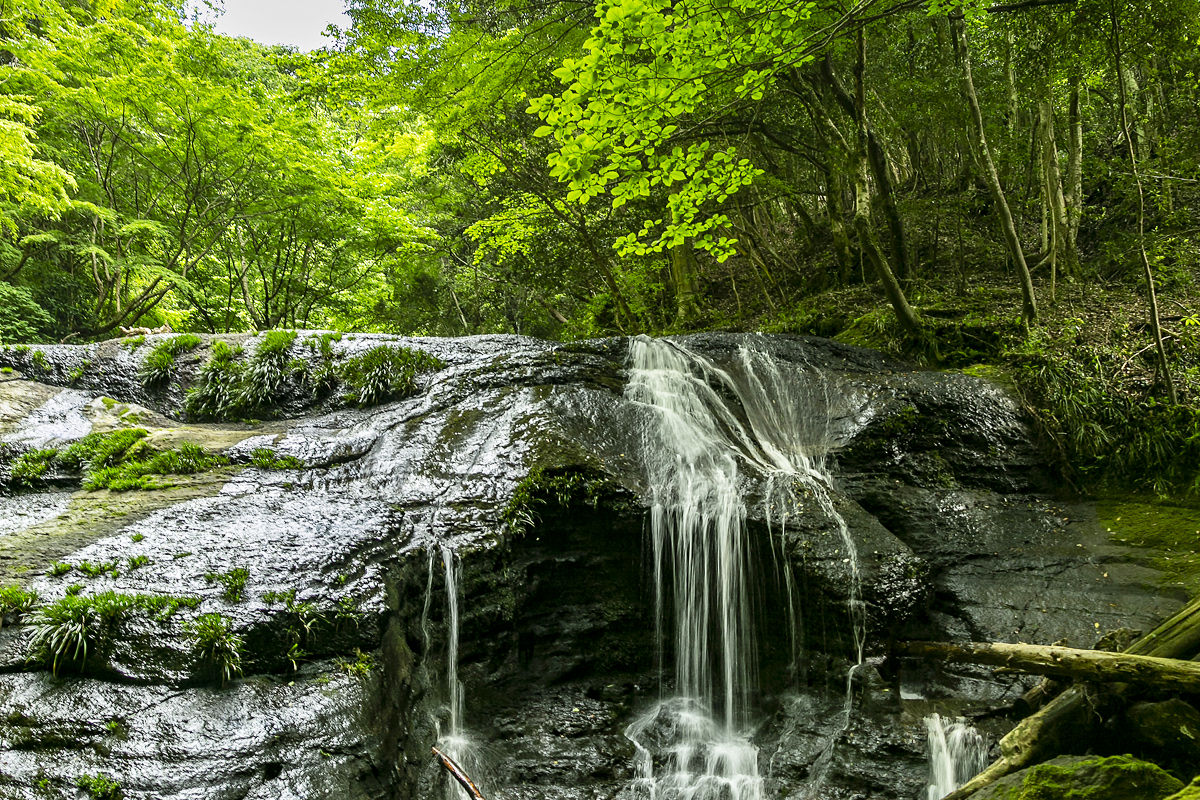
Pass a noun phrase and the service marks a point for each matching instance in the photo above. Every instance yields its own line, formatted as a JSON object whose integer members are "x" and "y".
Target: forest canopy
{"x": 954, "y": 178}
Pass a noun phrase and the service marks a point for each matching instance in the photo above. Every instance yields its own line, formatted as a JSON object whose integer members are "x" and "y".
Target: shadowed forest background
{"x": 1009, "y": 188}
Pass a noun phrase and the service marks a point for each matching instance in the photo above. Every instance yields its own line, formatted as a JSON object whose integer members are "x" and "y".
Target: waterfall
{"x": 957, "y": 753}
{"x": 712, "y": 433}
{"x": 454, "y": 741}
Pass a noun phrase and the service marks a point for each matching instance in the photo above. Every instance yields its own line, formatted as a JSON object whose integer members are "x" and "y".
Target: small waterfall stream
{"x": 957, "y": 753}
{"x": 713, "y": 432}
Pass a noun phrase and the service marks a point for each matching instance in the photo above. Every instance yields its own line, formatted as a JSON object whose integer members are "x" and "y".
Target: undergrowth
{"x": 214, "y": 642}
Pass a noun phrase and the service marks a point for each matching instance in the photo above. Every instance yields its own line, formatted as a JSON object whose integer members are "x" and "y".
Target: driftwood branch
{"x": 457, "y": 773}
{"x": 1066, "y": 662}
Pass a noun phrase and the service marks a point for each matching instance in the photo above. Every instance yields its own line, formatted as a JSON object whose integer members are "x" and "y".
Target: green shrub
{"x": 215, "y": 392}
{"x": 215, "y": 642}
{"x": 159, "y": 365}
{"x": 384, "y": 373}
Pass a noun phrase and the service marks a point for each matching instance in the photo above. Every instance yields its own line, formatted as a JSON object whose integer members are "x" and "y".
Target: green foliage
{"x": 359, "y": 666}
{"x": 21, "y": 318}
{"x": 263, "y": 380}
{"x": 214, "y": 641}
{"x": 97, "y": 570}
{"x": 137, "y": 562}
{"x": 187, "y": 459}
{"x": 159, "y": 365}
{"x": 216, "y": 391}
{"x": 15, "y": 601}
{"x": 66, "y": 628}
{"x": 100, "y": 787}
{"x": 31, "y": 467}
{"x": 542, "y": 488}
{"x": 233, "y": 581}
{"x": 266, "y": 458}
{"x": 384, "y": 373}
{"x": 59, "y": 569}
{"x": 98, "y": 450}
{"x": 132, "y": 343}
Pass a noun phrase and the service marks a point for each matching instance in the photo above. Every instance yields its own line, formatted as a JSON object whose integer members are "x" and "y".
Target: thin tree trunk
{"x": 1074, "y": 161}
{"x": 862, "y": 214}
{"x": 1164, "y": 368}
{"x": 984, "y": 155}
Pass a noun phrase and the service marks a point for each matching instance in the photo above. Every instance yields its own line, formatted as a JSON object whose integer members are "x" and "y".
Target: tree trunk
{"x": 862, "y": 217}
{"x": 983, "y": 154}
{"x": 1061, "y": 246}
{"x": 1164, "y": 368}
{"x": 1074, "y": 161}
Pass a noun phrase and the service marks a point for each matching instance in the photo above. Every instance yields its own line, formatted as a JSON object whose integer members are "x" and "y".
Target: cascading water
{"x": 700, "y": 456}
{"x": 957, "y": 753}
{"x": 453, "y": 741}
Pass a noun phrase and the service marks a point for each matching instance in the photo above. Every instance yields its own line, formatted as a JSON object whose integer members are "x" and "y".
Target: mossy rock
{"x": 1189, "y": 792}
{"x": 1170, "y": 730}
{"x": 1085, "y": 778}
{"x": 1170, "y": 531}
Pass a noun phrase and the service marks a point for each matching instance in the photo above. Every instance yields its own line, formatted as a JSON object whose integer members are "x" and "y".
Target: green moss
{"x": 159, "y": 366}
{"x": 1090, "y": 778}
{"x": 1173, "y": 531}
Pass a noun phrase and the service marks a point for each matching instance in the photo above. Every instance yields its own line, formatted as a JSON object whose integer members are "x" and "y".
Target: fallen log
{"x": 1066, "y": 662}
{"x": 458, "y": 774}
{"x": 1037, "y": 737}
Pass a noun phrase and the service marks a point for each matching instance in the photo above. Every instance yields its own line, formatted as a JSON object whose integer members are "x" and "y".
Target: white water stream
{"x": 712, "y": 432}
{"x": 957, "y": 753}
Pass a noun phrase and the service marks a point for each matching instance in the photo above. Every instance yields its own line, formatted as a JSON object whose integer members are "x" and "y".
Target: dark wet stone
{"x": 344, "y": 611}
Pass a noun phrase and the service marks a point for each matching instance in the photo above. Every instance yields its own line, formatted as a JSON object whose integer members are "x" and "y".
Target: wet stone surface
{"x": 343, "y": 607}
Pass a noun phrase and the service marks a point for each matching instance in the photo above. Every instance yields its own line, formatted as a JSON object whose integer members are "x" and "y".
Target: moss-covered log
{"x": 1066, "y": 662}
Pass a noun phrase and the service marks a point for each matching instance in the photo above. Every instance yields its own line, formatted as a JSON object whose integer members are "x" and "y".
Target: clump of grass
{"x": 384, "y": 373}
{"x": 159, "y": 365}
{"x": 137, "y": 562}
{"x": 100, "y": 787}
{"x": 214, "y": 641}
{"x": 98, "y": 450}
{"x": 359, "y": 666}
{"x": 266, "y": 373}
{"x": 31, "y": 467}
{"x": 16, "y": 601}
{"x": 66, "y": 628}
{"x": 215, "y": 394}
{"x": 187, "y": 459}
{"x": 266, "y": 458}
{"x": 323, "y": 343}
{"x": 96, "y": 570}
{"x": 39, "y": 360}
{"x": 233, "y": 581}
{"x": 132, "y": 343}
{"x": 541, "y": 488}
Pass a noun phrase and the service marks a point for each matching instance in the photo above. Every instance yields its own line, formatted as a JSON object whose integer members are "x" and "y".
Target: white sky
{"x": 295, "y": 22}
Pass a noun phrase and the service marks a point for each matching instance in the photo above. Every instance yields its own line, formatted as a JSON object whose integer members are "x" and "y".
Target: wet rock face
{"x": 520, "y": 462}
